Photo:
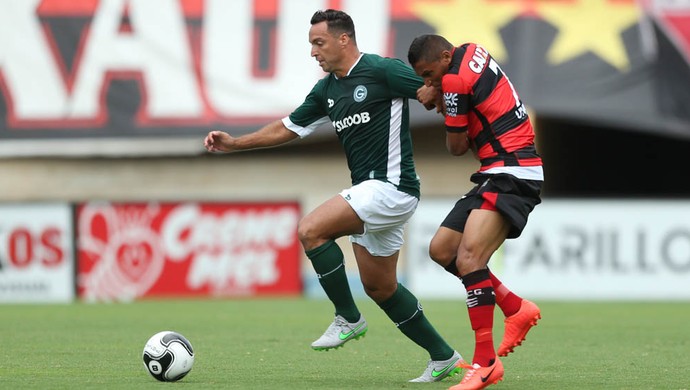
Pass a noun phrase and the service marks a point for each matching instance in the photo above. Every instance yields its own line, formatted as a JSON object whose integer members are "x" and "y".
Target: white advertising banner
{"x": 36, "y": 253}
{"x": 574, "y": 249}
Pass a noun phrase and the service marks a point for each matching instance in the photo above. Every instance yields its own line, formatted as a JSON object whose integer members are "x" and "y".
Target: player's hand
{"x": 218, "y": 141}
{"x": 430, "y": 97}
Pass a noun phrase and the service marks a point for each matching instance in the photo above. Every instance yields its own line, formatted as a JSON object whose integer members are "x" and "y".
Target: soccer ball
{"x": 168, "y": 356}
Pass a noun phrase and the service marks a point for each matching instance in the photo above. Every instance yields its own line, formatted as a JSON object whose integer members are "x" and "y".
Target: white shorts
{"x": 384, "y": 211}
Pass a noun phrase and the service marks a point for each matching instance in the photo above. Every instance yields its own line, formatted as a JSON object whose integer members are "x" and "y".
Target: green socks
{"x": 405, "y": 311}
{"x": 327, "y": 260}
{"x": 402, "y": 308}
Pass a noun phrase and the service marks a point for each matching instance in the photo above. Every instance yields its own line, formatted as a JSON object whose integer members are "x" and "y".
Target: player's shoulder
{"x": 377, "y": 62}
{"x": 462, "y": 73}
{"x": 322, "y": 83}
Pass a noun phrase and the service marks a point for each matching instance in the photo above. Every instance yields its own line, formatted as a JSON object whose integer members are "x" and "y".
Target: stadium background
{"x": 107, "y": 194}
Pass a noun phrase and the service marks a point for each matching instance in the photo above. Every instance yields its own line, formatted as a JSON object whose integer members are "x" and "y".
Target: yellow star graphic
{"x": 462, "y": 21}
{"x": 589, "y": 25}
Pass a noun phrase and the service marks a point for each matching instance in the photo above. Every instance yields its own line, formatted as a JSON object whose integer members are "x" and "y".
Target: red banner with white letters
{"x": 124, "y": 73}
{"x": 127, "y": 251}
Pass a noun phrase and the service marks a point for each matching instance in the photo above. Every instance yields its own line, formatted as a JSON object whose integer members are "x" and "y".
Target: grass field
{"x": 264, "y": 344}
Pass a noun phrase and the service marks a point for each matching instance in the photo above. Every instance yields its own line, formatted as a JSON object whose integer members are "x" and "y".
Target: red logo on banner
{"x": 126, "y": 251}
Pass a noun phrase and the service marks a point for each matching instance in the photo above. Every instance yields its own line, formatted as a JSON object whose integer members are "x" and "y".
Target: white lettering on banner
{"x": 227, "y": 232}
{"x": 35, "y": 87}
{"x": 178, "y": 81}
{"x": 235, "y": 248}
{"x": 240, "y": 270}
{"x": 227, "y": 66}
{"x": 127, "y": 254}
{"x": 233, "y": 251}
{"x": 158, "y": 40}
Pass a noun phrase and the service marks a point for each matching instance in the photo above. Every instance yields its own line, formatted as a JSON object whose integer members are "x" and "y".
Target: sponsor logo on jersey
{"x": 521, "y": 112}
{"x": 478, "y": 60}
{"x": 360, "y": 93}
{"x": 355, "y": 119}
{"x": 451, "y": 100}
{"x": 330, "y": 103}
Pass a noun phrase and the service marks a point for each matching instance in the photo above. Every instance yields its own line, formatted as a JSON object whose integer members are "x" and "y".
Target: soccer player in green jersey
{"x": 365, "y": 98}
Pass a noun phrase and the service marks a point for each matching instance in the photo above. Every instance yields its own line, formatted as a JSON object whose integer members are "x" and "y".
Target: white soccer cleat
{"x": 436, "y": 370}
{"x": 340, "y": 332}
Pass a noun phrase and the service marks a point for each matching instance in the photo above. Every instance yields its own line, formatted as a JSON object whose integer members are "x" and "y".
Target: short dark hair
{"x": 427, "y": 48}
{"x": 338, "y": 22}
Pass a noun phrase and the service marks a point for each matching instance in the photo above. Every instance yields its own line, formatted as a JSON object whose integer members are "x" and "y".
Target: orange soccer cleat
{"x": 517, "y": 326}
{"x": 478, "y": 377}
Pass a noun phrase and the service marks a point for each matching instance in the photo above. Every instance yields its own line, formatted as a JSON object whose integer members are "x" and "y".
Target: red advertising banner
{"x": 130, "y": 250}
{"x": 123, "y": 73}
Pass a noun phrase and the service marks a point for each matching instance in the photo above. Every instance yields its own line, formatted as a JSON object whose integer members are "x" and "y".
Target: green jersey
{"x": 369, "y": 111}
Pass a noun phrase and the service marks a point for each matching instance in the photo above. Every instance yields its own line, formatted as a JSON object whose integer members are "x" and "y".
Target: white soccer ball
{"x": 168, "y": 356}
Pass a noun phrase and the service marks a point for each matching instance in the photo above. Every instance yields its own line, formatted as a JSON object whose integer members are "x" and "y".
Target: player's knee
{"x": 440, "y": 254}
{"x": 471, "y": 257}
{"x": 379, "y": 292}
{"x": 307, "y": 233}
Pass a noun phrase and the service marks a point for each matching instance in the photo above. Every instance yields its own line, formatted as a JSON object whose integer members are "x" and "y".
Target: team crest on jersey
{"x": 360, "y": 93}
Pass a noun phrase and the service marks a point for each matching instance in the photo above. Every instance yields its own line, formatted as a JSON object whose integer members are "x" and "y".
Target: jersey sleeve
{"x": 456, "y": 96}
{"x": 401, "y": 79}
{"x": 309, "y": 115}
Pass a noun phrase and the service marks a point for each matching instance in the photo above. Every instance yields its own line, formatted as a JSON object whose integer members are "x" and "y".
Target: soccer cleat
{"x": 436, "y": 370}
{"x": 478, "y": 377}
{"x": 517, "y": 326}
{"x": 340, "y": 332}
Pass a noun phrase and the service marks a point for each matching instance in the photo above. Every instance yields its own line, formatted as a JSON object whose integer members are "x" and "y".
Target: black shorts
{"x": 512, "y": 197}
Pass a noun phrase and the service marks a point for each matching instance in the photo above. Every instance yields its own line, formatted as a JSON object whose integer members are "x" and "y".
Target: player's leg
{"x": 379, "y": 278}
{"x": 506, "y": 300}
{"x": 317, "y": 232}
{"x": 520, "y": 316}
{"x": 485, "y": 231}
{"x": 515, "y": 199}
{"x": 443, "y": 250}
{"x": 332, "y": 219}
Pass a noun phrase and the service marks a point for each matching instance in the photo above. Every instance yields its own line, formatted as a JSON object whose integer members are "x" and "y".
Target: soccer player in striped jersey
{"x": 484, "y": 113}
{"x": 365, "y": 99}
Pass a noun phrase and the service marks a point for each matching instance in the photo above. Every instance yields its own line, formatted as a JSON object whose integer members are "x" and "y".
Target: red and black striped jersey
{"x": 481, "y": 100}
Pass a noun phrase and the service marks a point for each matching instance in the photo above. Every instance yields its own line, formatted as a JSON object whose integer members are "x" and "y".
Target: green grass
{"x": 264, "y": 344}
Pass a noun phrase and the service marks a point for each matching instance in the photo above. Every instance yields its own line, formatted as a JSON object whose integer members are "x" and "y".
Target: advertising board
{"x": 574, "y": 249}
{"x": 132, "y": 250}
{"x": 36, "y": 253}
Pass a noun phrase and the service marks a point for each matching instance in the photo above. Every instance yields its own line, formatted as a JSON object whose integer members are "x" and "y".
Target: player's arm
{"x": 273, "y": 134}
{"x": 457, "y": 143}
{"x": 457, "y": 103}
{"x": 401, "y": 79}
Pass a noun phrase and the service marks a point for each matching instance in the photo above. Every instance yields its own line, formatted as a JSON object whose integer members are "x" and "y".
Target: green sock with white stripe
{"x": 406, "y": 312}
{"x": 329, "y": 265}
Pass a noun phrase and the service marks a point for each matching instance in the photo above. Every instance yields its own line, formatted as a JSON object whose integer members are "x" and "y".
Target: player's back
{"x": 481, "y": 100}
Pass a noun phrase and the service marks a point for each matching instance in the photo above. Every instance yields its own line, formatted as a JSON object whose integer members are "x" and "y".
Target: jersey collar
{"x": 353, "y": 66}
